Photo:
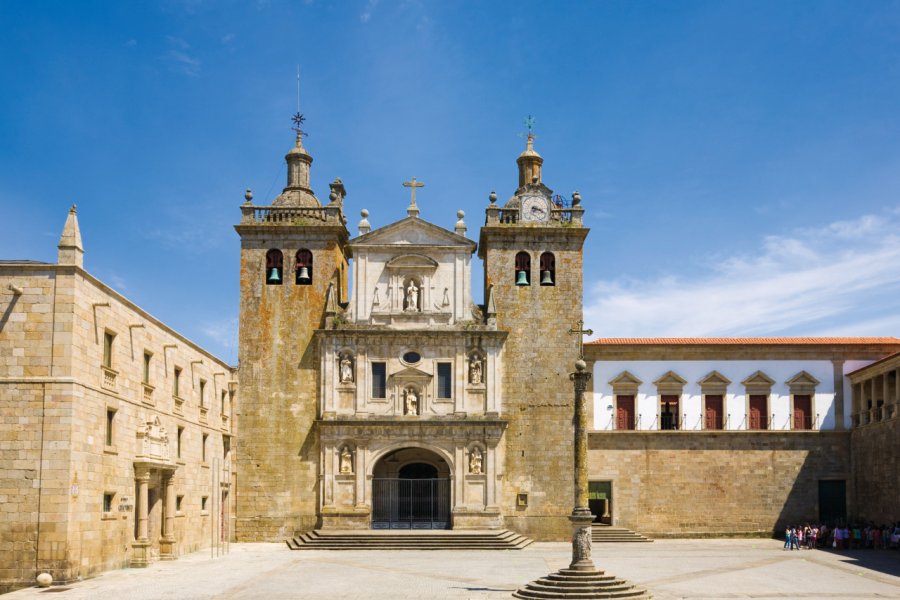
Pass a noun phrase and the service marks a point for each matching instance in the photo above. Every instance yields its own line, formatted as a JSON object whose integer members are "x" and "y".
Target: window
{"x": 444, "y": 380}
{"x": 412, "y": 358}
{"x": 226, "y": 446}
{"x": 178, "y": 442}
{"x": 379, "y": 380}
{"x": 108, "y": 502}
{"x": 146, "y": 376}
{"x": 222, "y": 402}
{"x": 179, "y": 501}
{"x": 110, "y": 418}
{"x": 203, "y": 501}
{"x": 108, "y": 339}
{"x": 668, "y": 412}
{"x": 202, "y": 393}
{"x": 274, "y": 267}
{"x": 176, "y": 383}
{"x": 759, "y": 411}
{"x": 523, "y": 269}
{"x": 304, "y": 266}
{"x": 548, "y": 269}
{"x": 203, "y": 447}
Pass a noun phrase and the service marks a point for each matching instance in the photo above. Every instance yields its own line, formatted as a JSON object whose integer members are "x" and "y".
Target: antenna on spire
{"x": 298, "y": 117}
{"x": 298, "y": 89}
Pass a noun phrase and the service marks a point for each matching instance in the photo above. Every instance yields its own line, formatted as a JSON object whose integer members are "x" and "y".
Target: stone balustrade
{"x": 289, "y": 215}
{"x": 558, "y": 216}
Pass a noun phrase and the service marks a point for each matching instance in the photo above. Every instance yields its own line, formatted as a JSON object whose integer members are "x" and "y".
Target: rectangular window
{"x": 203, "y": 503}
{"x": 203, "y": 449}
{"x": 176, "y": 383}
{"x": 108, "y": 502}
{"x": 222, "y": 402}
{"x": 147, "y": 357}
{"x": 179, "y": 500}
{"x": 445, "y": 380}
{"x": 110, "y": 432}
{"x": 108, "y": 339}
{"x": 202, "y": 392}
{"x": 226, "y": 445}
{"x": 759, "y": 412}
{"x": 379, "y": 380}
{"x": 178, "y": 442}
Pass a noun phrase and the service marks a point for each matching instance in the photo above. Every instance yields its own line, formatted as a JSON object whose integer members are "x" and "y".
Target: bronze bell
{"x": 546, "y": 278}
{"x": 521, "y": 278}
{"x": 303, "y": 276}
{"x": 274, "y": 276}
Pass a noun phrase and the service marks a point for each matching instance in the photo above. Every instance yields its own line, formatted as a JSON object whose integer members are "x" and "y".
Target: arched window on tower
{"x": 304, "y": 267}
{"x": 274, "y": 267}
{"x": 548, "y": 269}
{"x": 523, "y": 268}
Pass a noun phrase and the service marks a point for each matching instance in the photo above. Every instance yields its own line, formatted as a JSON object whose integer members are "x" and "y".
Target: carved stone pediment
{"x": 625, "y": 381}
{"x": 714, "y": 382}
{"x": 803, "y": 383}
{"x": 412, "y": 262}
{"x": 759, "y": 380}
{"x": 670, "y": 382}
{"x": 414, "y": 232}
{"x": 153, "y": 441}
{"x": 410, "y": 374}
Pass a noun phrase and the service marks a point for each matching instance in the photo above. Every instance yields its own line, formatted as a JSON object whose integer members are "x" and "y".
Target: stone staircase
{"x": 502, "y": 539}
{"x": 608, "y": 534}
{"x": 569, "y": 583}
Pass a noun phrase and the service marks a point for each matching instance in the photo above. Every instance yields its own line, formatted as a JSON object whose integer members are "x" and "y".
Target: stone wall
{"x": 538, "y": 356}
{"x": 876, "y": 472}
{"x": 55, "y": 463}
{"x": 278, "y": 450}
{"x": 735, "y": 483}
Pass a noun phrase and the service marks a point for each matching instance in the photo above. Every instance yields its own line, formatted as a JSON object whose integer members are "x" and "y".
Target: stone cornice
{"x": 670, "y": 352}
{"x": 381, "y": 331}
{"x": 525, "y": 232}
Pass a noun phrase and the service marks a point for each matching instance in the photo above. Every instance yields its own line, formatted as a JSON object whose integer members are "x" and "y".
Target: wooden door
{"x": 802, "y": 411}
{"x": 625, "y": 412}
{"x": 714, "y": 411}
{"x": 758, "y": 417}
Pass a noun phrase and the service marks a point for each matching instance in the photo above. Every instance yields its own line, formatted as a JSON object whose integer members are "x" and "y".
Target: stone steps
{"x": 408, "y": 540}
{"x": 567, "y": 583}
{"x": 607, "y": 534}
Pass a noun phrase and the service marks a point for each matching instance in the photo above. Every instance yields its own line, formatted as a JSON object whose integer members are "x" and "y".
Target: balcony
{"x": 109, "y": 379}
{"x": 290, "y": 215}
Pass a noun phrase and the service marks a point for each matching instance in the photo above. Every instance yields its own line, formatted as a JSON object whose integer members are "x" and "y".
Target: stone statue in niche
{"x": 475, "y": 461}
{"x": 412, "y": 402}
{"x": 412, "y": 297}
{"x": 475, "y": 373}
{"x": 346, "y": 369}
{"x": 346, "y": 461}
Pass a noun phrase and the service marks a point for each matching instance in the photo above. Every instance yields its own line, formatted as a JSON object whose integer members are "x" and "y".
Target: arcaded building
{"x": 115, "y": 431}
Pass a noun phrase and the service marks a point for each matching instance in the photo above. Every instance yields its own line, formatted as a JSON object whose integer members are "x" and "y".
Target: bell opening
{"x": 522, "y": 278}
{"x": 546, "y": 278}
{"x": 274, "y": 277}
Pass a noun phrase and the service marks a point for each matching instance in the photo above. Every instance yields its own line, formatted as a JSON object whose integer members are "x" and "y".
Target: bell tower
{"x": 532, "y": 252}
{"x": 293, "y": 275}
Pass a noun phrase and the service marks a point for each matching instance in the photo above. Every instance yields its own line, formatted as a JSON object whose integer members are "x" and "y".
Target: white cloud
{"x": 224, "y": 333}
{"x": 179, "y": 55}
{"x": 840, "y": 279}
{"x": 368, "y": 10}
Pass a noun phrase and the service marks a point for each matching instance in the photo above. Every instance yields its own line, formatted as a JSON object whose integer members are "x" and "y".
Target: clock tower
{"x": 532, "y": 253}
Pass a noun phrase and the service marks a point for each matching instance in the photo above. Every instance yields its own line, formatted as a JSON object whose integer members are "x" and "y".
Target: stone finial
{"x": 580, "y": 365}
{"x": 71, "y": 252}
{"x": 493, "y": 197}
{"x": 248, "y": 196}
{"x": 338, "y": 191}
{"x": 576, "y": 198}
{"x": 460, "y": 224}
{"x": 364, "y": 226}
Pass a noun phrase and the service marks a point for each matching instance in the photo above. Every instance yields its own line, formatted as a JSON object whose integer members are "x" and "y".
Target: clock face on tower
{"x": 535, "y": 208}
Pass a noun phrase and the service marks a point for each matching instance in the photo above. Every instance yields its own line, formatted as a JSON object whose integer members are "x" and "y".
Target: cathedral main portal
{"x": 411, "y": 490}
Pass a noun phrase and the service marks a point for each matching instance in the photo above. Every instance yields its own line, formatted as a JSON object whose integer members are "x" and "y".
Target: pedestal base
{"x": 582, "y": 534}
{"x": 569, "y": 583}
{"x": 140, "y": 556}
{"x": 167, "y": 549}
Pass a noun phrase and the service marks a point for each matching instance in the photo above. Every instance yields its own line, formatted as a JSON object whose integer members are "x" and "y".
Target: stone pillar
{"x": 581, "y": 517}
{"x": 141, "y": 545}
{"x": 838, "y": 382}
{"x": 167, "y": 541}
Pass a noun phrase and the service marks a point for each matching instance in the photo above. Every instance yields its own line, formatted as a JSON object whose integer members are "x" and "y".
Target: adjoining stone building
{"x": 722, "y": 436}
{"x": 115, "y": 434}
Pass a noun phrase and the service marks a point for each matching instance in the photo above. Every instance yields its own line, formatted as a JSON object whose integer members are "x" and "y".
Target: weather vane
{"x": 529, "y": 124}
{"x": 298, "y": 121}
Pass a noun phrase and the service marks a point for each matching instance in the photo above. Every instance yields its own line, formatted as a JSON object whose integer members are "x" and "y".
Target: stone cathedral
{"x": 403, "y": 404}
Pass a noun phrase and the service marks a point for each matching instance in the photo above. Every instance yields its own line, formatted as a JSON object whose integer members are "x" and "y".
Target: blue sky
{"x": 739, "y": 161}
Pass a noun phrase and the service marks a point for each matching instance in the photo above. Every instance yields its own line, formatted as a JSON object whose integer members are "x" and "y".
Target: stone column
{"x": 838, "y": 382}
{"x": 141, "y": 545}
{"x": 167, "y": 542}
{"x": 581, "y": 517}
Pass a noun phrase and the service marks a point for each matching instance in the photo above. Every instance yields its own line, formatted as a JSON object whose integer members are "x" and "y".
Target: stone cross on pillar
{"x": 581, "y": 331}
{"x": 413, "y": 210}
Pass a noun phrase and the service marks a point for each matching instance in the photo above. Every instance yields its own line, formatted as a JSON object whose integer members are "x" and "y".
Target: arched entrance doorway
{"x": 411, "y": 490}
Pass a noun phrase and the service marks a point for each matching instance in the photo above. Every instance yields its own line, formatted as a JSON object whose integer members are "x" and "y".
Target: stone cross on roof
{"x": 413, "y": 210}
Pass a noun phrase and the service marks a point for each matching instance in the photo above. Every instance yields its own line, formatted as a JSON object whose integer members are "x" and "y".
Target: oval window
{"x": 412, "y": 357}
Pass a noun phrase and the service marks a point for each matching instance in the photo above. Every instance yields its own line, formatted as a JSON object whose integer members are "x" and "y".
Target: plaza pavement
{"x": 702, "y": 569}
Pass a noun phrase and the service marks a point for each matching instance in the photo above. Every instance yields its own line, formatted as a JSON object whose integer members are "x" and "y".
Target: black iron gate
{"x": 410, "y": 503}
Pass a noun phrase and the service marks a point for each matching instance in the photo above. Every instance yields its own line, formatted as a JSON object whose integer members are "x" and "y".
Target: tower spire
{"x": 529, "y": 161}
{"x": 71, "y": 252}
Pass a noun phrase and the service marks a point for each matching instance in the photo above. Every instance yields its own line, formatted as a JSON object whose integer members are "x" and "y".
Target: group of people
{"x": 843, "y": 537}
